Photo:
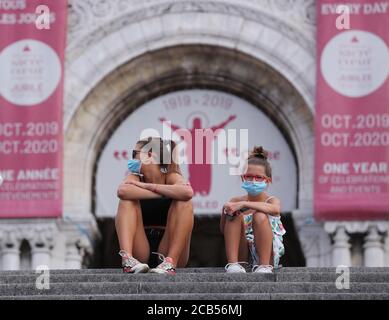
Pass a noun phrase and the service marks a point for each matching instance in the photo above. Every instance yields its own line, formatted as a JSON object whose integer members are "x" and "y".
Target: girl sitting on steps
{"x": 251, "y": 223}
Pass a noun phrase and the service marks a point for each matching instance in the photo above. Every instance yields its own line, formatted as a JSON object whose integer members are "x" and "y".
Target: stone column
{"x": 10, "y": 257}
{"x": 42, "y": 242}
{"x": 40, "y": 256}
{"x": 341, "y": 254}
{"x": 9, "y": 250}
{"x": 373, "y": 249}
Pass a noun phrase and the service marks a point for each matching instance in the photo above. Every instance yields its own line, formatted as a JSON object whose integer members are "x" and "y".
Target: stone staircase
{"x": 197, "y": 284}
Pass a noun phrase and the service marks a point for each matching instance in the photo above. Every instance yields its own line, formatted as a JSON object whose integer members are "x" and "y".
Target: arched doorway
{"x": 172, "y": 69}
{"x": 214, "y": 183}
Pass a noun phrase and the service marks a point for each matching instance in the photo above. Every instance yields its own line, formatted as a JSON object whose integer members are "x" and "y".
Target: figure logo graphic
{"x": 200, "y": 175}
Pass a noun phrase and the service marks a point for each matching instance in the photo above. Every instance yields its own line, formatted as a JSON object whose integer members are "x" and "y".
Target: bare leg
{"x": 263, "y": 237}
{"x": 175, "y": 242}
{"x": 243, "y": 255}
{"x": 235, "y": 240}
{"x": 183, "y": 260}
{"x": 130, "y": 230}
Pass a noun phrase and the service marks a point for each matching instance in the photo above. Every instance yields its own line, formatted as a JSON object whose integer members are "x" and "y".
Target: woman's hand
{"x": 231, "y": 207}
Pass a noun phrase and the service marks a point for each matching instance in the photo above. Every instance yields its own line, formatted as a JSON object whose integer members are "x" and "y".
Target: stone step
{"x": 210, "y": 296}
{"x": 200, "y": 270}
{"x": 199, "y": 277}
{"x": 93, "y": 288}
{"x": 197, "y": 284}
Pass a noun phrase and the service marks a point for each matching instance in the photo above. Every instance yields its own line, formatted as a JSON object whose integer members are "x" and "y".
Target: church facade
{"x": 121, "y": 54}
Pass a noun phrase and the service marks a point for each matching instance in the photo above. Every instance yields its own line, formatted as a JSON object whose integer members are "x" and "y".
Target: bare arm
{"x": 273, "y": 207}
{"x": 128, "y": 190}
{"x": 176, "y": 188}
{"x": 223, "y": 216}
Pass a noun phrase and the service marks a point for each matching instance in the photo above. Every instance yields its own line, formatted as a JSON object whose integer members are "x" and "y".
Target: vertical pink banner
{"x": 352, "y": 112}
{"x": 31, "y": 107}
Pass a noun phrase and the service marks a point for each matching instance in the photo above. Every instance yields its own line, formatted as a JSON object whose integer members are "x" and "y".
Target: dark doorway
{"x": 207, "y": 244}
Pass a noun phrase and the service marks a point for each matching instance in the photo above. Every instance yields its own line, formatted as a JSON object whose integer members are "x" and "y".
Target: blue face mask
{"x": 254, "y": 188}
{"x": 134, "y": 165}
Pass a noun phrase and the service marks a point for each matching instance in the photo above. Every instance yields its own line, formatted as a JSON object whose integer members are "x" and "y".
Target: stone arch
{"x": 175, "y": 68}
{"x": 91, "y": 57}
{"x": 98, "y": 79}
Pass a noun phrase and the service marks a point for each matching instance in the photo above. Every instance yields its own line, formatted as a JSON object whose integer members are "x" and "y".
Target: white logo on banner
{"x": 355, "y": 63}
{"x": 30, "y": 72}
{"x": 192, "y": 110}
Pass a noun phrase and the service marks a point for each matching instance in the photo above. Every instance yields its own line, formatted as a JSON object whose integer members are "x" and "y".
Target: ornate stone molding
{"x": 87, "y": 17}
{"x": 356, "y": 226}
{"x": 373, "y": 242}
{"x": 38, "y": 234}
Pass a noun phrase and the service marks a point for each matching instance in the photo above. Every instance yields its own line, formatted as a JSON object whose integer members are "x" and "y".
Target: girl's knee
{"x": 259, "y": 217}
{"x": 237, "y": 220}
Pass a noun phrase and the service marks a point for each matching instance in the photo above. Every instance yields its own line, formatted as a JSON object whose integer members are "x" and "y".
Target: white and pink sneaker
{"x": 165, "y": 267}
{"x": 131, "y": 265}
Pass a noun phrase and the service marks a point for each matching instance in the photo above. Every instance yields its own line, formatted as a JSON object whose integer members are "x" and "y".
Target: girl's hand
{"x": 231, "y": 207}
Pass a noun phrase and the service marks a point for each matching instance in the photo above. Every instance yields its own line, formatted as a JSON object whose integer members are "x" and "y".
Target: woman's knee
{"x": 130, "y": 203}
{"x": 180, "y": 206}
{"x": 129, "y": 207}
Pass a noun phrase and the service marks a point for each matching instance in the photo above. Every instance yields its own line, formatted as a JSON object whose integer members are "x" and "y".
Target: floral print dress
{"x": 278, "y": 233}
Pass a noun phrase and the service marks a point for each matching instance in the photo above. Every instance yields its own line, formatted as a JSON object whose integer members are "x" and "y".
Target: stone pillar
{"x": 341, "y": 254}
{"x": 40, "y": 256}
{"x": 373, "y": 250}
{"x": 42, "y": 242}
{"x": 9, "y": 250}
{"x": 10, "y": 257}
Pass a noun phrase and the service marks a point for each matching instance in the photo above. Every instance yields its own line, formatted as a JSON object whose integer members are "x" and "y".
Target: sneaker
{"x": 131, "y": 265}
{"x": 263, "y": 269}
{"x": 235, "y": 267}
{"x": 165, "y": 267}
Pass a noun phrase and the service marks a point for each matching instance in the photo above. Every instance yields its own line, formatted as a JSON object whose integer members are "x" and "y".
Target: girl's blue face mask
{"x": 254, "y": 188}
{"x": 134, "y": 165}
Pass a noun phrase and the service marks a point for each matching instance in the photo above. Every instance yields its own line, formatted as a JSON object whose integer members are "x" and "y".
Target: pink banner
{"x": 32, "y": 46}
{"x": 352, "y": 111}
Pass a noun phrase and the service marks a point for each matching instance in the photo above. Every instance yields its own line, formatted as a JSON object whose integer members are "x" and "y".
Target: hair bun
{"x": 259, "y": 152}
